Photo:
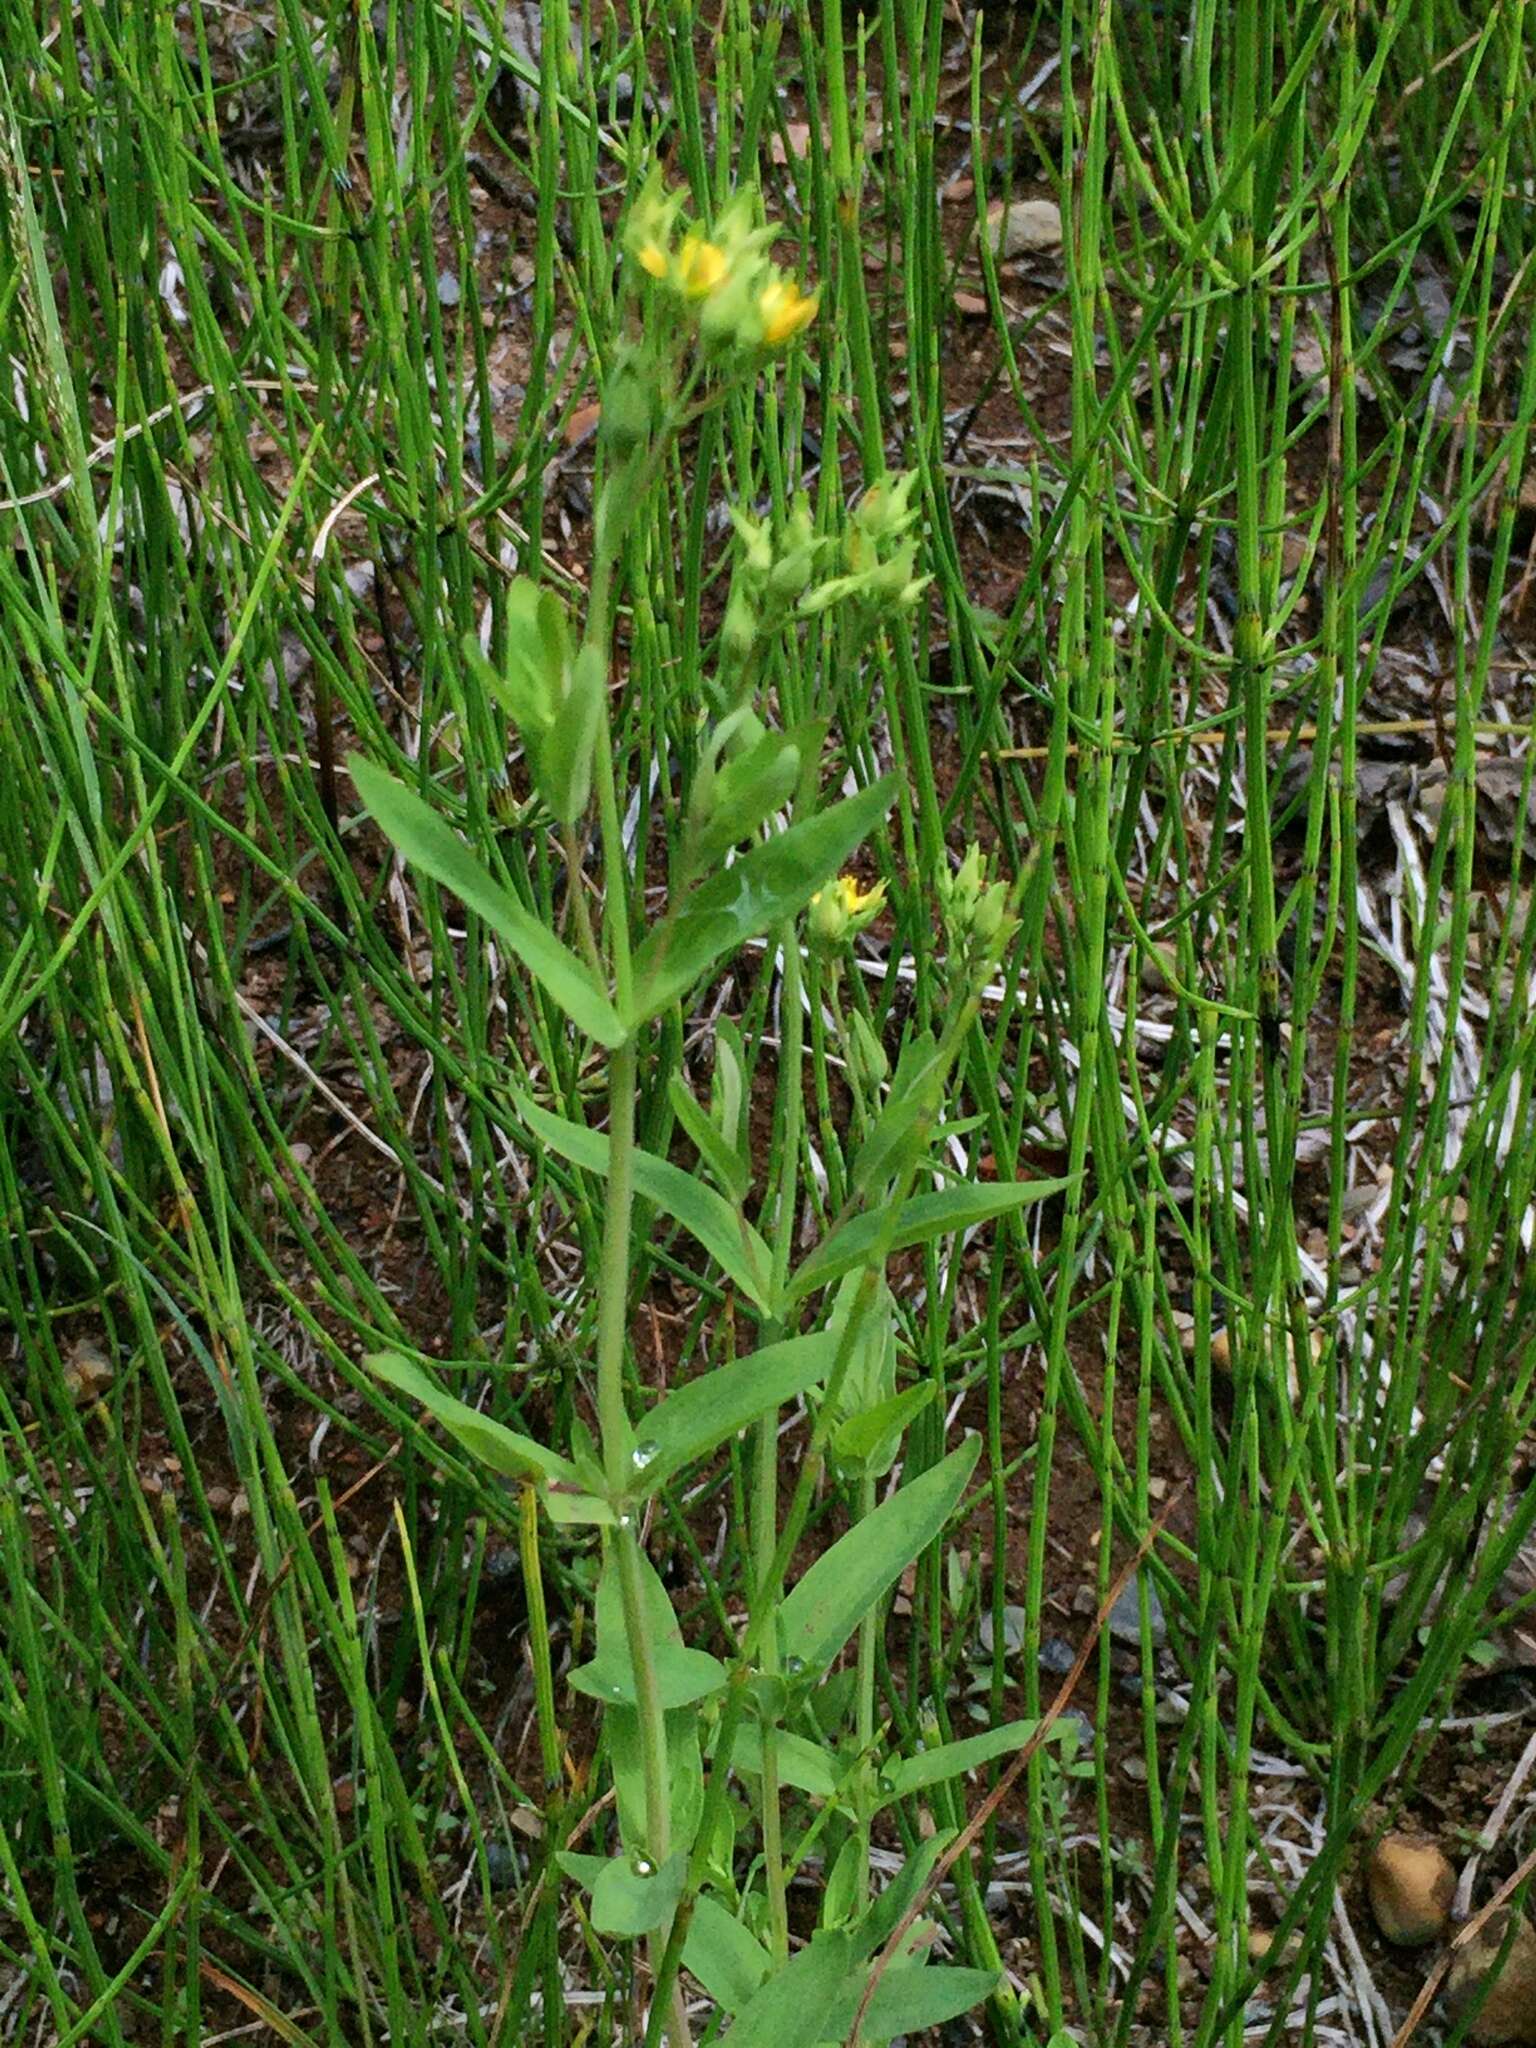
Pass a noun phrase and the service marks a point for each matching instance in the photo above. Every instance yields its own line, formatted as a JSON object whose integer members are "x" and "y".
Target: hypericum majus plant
{"x": 758, "y": 845}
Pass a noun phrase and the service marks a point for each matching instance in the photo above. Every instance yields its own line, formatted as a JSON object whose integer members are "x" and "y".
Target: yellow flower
{"x": 652, "y": 257}
{"x": 785, "y": 310}
{"x": 844, "y": 908}
{"x": 857, "y": 901}
{"x": 701, "y": 266}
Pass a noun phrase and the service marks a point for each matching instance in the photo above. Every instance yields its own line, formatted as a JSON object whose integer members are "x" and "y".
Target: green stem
{"x": 869, "y": 1637}
{"x": 613, "y": 1279}
{"x": 765, "y": 1473}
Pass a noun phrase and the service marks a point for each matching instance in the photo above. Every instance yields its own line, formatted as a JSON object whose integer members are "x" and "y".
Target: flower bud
{"x": 866, "y": 1052}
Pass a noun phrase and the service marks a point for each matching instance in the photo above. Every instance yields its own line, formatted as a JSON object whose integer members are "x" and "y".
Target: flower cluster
{"x": 975, "y": 910}
{"x": 879, "y": 551}
{"x": 772, "y": 575}
{"x": 776, "y": 571}
{"x": 723, "y": 277}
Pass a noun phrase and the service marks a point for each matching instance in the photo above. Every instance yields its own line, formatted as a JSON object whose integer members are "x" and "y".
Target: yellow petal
{"x": 653, "y": 259}
{"x": 701, "y": 266}
{"x": 784, "y": 310}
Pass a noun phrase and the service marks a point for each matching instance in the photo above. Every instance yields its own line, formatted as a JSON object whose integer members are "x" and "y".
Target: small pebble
{"x": 447, "y": 289}
{"x": 501, "y": 1871}
{"x": 1125, "y": 1615}
{"x": 88, "y": 1372}
{"x": 1024, "y": 227}
{"x": 1410, "y": 1884}
{"x": 1056, "y": 1657}
{"x": 1013, "y": 1629}
{"x": 1080, "y": 1721}
{"x": 1508, "y": 2016}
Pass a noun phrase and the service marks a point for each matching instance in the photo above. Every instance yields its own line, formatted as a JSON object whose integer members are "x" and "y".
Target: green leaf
{"x": 905, "y": 1123}
{"x": 893, "y": 1904}
{"x": 728, "y": 1091}
{"x": 722, "y": 1159}
{"x": 801, "y": 1763}
{"x": 840, "y": 1888}
{"x": 430, "y": 845}
{"x": 728, "y": 1960}
{"x": 630, "y": 1901}
{"x": 772, "y": 882}
{"x": 689, "y": 1422}
{"x": 530, "y": 685}
{"x": 950, "y": 1759}
{"x": 787, "y": 2011}
{"x": 565, "y": 755}
{"x": 842, "y": 1586}
{"x": 575, "y": 1509}
{"x": 492, "y": 1443}
{"x": 732, "y": 798}
{"x": 682, "y": 1675}
{"x": 873, "y": 1436}
{"x": 910, "y": 1999}
{"x": 924, "y": 1217}
{"x": 685, "y": 1772}
{"x": 623, "y": 1901}
{"x": 729, "y": 1239}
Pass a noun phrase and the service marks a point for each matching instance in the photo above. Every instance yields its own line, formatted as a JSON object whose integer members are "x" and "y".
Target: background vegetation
{"x": 1228, "y": 653}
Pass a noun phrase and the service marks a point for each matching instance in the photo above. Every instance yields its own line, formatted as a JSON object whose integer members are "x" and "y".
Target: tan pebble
{"x": 88, "y": 1372}
{"x": 1294, "y": 552}
{"x": 1411, "y": 1885}
{"x": 1269, "y": 1954}
{"x": 1508, "y": 2015}
{"x": 1025, "y": 226}
{"x": 1159, "y": 965}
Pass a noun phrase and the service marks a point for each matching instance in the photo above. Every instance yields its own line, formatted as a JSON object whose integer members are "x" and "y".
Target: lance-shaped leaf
{"x": 871, "y": 1438}
{"x": 492, "y": 1443}
{"x": 800, "y": 1763}
{"x": 727, "y": 1958}
{"x": 431, "y": 845}
{"x": 787, "y": 2011}
{"x": 909, "y": 1999}
{"x": 927, "y": 1767}
{"x": 629, "y": 1898}
{"x": 689, "y": 1422}
{"x": 772, "y": 882}
{"x": 939, "y": 1214}
{"x": 729, "y": 1239}
{"x": 724, "y": 1161}
{"x": 685, "y": 1772}
{"x": 842, "y": 1586}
